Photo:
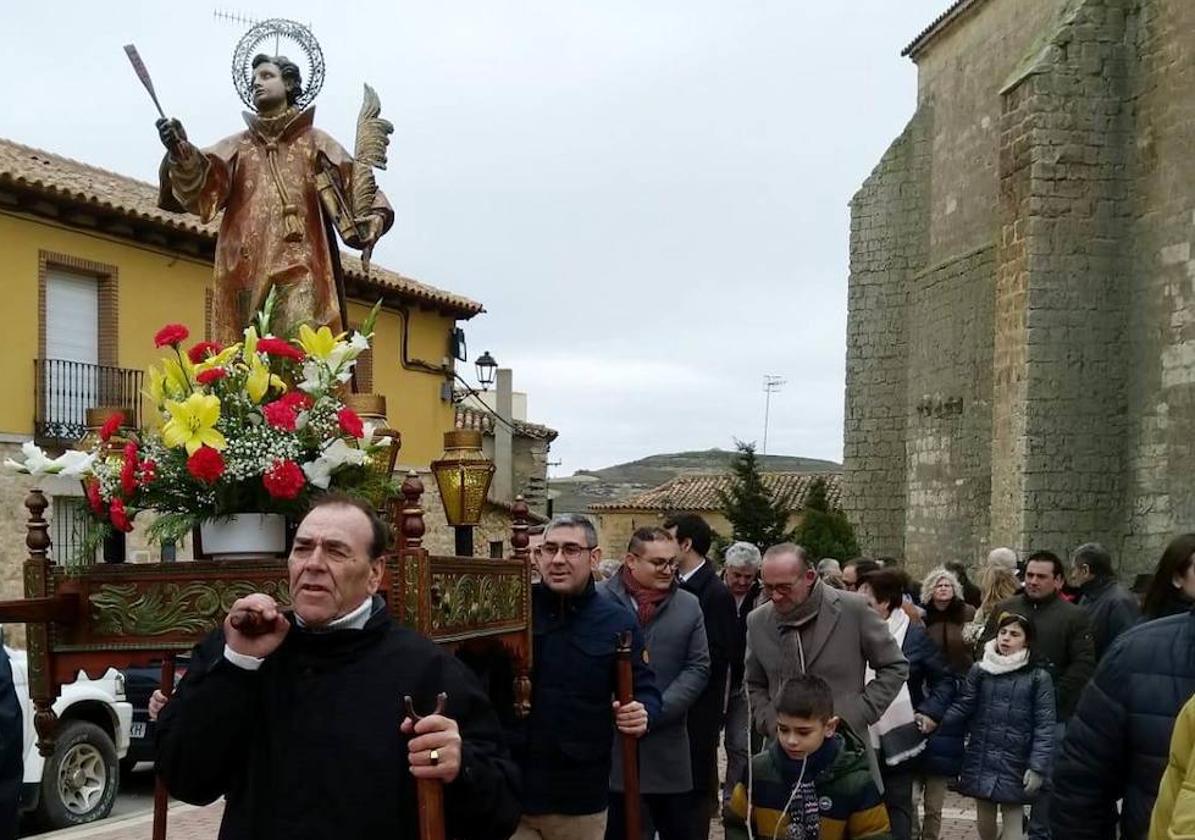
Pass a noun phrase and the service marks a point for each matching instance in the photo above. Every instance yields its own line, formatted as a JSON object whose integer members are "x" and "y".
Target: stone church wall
{"x": 1160, "y": 445}
{"x": 1046, "y": 332}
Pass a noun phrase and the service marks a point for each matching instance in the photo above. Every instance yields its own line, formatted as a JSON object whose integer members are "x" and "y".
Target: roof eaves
{"x": 940, "y": 23}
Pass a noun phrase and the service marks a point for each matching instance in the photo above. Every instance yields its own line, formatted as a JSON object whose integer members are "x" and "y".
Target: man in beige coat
{"x": 808, "y": 627}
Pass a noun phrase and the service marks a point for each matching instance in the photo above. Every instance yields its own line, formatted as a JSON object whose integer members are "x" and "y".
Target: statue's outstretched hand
{"x": 371, "y": 229}
{"x": 172, "y": 133}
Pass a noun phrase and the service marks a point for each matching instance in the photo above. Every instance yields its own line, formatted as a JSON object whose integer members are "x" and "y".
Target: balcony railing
{"x": 64, "y": 390}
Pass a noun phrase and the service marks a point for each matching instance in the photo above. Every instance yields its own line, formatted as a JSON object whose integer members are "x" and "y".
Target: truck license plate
{"x": 137, "y": 730}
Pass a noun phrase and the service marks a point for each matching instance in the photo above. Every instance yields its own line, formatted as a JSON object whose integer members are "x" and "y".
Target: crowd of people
{"x": 848, "y": 698}
{"x": 855, "y": 698}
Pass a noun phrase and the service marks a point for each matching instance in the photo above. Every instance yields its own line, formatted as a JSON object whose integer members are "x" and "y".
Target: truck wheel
{"x": 80, "y": 779}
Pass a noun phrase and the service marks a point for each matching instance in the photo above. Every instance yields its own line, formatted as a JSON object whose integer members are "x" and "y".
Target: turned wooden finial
{"x": 519, "y": 540}
{"x": 37, "y": 536}
{"x": 413, "y": 527}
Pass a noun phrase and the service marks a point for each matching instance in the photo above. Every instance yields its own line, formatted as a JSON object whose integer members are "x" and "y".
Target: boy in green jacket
{"x": 813, "y": 782}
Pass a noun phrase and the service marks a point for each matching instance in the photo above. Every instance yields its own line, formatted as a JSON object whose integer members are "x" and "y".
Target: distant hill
{"x": 573, "y": 494}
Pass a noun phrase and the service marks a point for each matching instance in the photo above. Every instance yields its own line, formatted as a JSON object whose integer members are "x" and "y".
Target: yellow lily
{"x": 250, "y": 341}
{"x": 178, "y": 376}
{"x": 192, "y": 423}
{"x": 219, "y": 360}
{"x": 319, "y": 345}
{"x": 156, "y": 388}
{"x": 260, "y": 380}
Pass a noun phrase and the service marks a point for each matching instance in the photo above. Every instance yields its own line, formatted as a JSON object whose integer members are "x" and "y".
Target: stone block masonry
{"x": 1021, "y": 350}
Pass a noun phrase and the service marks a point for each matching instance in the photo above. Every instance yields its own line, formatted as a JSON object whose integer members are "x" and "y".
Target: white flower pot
{"x": 242, "y": 536}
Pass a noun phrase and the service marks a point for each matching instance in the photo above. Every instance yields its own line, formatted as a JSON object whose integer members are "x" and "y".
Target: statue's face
{"x": 269, "y": 90}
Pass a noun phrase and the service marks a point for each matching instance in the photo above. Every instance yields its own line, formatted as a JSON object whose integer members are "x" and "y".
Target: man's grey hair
{"x": 742, "y": 555}
{"x": 1003, "y": 557}
{"x": 788, "y": 548}
{"x": 828, "y": 566}
{"x": 1095, "y": 557}
{"x": 574, "y": 520}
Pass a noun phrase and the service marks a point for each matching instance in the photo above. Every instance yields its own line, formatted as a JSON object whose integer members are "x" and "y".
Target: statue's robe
{"x": 272, "y": 233}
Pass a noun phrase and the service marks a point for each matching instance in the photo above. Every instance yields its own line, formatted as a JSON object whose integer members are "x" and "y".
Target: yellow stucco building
{"x": 90, "y": 269}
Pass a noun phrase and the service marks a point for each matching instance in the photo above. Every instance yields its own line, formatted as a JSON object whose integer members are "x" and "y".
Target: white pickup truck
{"x": 78, "y": 783}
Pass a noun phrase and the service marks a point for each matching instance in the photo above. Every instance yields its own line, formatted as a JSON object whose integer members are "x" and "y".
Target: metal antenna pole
{"x": 771, "y": 384}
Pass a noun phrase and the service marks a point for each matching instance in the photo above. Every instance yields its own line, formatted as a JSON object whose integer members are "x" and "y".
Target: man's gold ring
{"x": 434, "y": 757}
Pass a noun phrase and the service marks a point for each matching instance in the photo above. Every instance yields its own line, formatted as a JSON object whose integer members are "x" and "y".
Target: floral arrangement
{"x": 259, "y": 426}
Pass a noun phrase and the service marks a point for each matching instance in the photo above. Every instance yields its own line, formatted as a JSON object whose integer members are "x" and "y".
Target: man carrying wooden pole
{"x": 565, "y": 746}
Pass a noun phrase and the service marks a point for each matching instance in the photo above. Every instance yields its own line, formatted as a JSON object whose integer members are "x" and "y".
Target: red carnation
{"x": 207, "y": 377}
{"x": 278, "y": 347}
{"x": 280, "y": 414}
{"x": 171, "y": 335}
{"x": 111, "y": 425}
{"x": 94, "y": 499}
{"x": 350, "y": 423}
{"x": 206, "y": 464}
{"x": 297, "y": 400}
{"x": 284, "y": 480}
{"x": 148, "y": 471}
{"x": 128, "y": 471}
{"x": 202, "y": 350}
{"x": 119, "y": 517}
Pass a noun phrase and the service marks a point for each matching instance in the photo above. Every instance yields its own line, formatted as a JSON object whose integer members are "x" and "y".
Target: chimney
{"x": 503, "y": 486}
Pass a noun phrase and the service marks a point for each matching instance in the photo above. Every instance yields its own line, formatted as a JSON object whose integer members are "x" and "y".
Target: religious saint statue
{"x": 286, "y": 189}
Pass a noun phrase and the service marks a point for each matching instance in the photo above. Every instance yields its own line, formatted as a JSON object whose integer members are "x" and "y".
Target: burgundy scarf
{"x": 647, "y": 599}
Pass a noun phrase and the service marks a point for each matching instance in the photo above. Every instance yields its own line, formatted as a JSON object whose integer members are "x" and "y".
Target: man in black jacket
{"x": 564, "y": 747}
{"x": 302, "y": 728}
{"x": 1118, "y": 741}
{"x": 1063, "y": 646}
{"x": 697, "y": 575}
{"x": 1110, "y": 607}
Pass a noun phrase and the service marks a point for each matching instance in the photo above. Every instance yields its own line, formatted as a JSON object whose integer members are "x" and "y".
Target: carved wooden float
{"x": 89, "y": 618}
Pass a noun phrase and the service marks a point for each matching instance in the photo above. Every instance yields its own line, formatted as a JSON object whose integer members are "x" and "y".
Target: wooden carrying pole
{"x": 429, "y": 793}
{"x": 630, "y": 744}
{"x": 161, "y": 796}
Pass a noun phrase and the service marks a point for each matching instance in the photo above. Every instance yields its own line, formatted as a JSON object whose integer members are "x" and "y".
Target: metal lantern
{"x": 463, "y": 474}
{"x": 371, "y": 408}
{"x": 486, "y": 367}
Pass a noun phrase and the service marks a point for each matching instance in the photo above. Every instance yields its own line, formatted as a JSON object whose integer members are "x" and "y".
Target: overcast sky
{"x": 649, "y": 196}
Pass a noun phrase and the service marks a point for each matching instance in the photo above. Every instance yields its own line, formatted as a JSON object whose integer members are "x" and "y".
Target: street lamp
{"x": 463, "y": 474}
{"x": 486, "y": 369}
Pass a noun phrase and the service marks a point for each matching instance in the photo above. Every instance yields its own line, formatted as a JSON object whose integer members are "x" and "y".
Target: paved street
{"x": 190, "y": 823}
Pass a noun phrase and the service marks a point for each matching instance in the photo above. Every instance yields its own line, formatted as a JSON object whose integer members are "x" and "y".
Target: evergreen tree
{"x": 824, "y": 532}
{"x": 755, "y": 514}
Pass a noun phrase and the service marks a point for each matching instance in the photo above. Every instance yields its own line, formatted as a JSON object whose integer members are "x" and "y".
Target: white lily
{"x": 75, "y": 463}
{"x": 335, "y": 455}
{"x": 347, "y": 351}
{"x": 367, "y": 435}
{"x": 72, "y": 462}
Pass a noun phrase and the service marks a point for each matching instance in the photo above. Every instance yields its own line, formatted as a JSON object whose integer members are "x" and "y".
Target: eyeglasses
{"x": 571, "y": 551}
{"x": 659, "y": 565}
{"x": 781, "y": 589}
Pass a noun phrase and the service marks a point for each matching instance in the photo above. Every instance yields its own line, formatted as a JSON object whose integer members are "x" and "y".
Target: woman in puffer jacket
{"x": 946, "y": 614}
{"x": 1008, "y": 705}
{"x": 1174, "y": 811}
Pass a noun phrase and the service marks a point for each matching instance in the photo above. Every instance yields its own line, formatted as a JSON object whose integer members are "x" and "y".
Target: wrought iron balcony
{"x": 63, "y": 391}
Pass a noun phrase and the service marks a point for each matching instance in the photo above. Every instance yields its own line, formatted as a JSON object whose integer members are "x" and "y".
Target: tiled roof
{"x": 952, "y": 13}
{"x": 57, "y": 177}
{"x": 468, "y": 417}
{"x": 532, "y": 517}
{"x": 699, "y": 492}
